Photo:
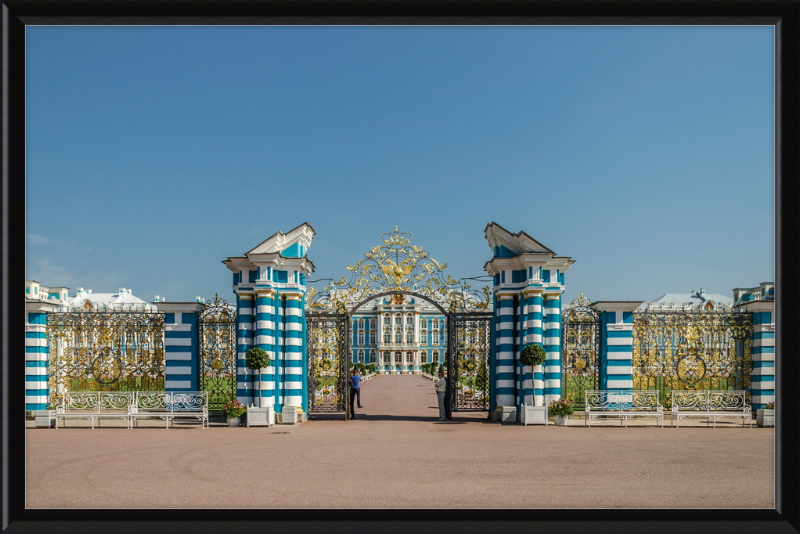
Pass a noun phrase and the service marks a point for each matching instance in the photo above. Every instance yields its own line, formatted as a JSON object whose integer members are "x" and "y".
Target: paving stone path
{"x": 397, "y": 455}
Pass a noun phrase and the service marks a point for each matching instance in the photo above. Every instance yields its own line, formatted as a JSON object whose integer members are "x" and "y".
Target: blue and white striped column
{"x": 616, "y": 358}
{"x": 36, "y": 357}
{"x": 504, "y": 313}
{"x": 244, "y": 342}
{"x": 294, "y": 392}
{"x": 534, "y": 333}
{"x": 266, "y": 336}
{"x": 552, "y": 346}
{"x": 762, "y": 351}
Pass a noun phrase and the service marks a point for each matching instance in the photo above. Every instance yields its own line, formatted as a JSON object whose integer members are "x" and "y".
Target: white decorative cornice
{"x": 279, "y": 241}
{"x": 617, "y": 305}
{"x": 518, "y": 243}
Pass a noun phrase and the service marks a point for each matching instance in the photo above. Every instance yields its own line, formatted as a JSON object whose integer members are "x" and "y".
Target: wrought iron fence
{"x": 216, "y": 333}
{"x": 580, "y": 351}
{"x": 469, "y": 346}
{"x": 105, "y": 351}
{"x": 328, "y": 366}
{"x": 691, "y": 351}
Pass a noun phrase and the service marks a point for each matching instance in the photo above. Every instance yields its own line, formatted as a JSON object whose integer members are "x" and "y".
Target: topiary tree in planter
{"x": 256, "y": 359}
{"x": 532, "y": 355}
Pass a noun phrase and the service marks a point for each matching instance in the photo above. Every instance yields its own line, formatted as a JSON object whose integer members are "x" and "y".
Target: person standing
{"x": 355, "y": 390}
{"x": 441, "y": 390}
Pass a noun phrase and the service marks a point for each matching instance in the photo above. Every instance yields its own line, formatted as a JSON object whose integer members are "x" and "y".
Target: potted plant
{"x": 233, "y": 411}
{"x": 257, "y": 359}
{"x": 560, "y": 410}
{"x": 765, "y": 417}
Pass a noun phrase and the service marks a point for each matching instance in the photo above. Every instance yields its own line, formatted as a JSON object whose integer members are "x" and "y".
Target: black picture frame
{"x": 783, "y": 15}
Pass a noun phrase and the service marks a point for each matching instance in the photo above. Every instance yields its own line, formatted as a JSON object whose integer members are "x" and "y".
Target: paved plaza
{"x": 397, "y": 455}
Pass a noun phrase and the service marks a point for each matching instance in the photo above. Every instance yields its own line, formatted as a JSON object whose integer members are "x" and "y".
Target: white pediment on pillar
{"x": 293, "y": 243}
{"x": 519, "y": 243}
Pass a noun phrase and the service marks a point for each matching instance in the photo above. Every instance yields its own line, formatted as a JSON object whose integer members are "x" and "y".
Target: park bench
{"x": 94, "y": 405}
{"x": 710, "y": 404}
{"x": 623, "y": 404}
{"x": 169, "y": 405}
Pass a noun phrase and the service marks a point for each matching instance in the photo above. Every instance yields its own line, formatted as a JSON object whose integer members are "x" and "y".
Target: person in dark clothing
{"x": 355, "y": 391}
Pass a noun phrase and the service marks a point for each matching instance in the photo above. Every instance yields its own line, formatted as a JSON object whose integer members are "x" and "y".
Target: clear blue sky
{"x": 644, "y": 153}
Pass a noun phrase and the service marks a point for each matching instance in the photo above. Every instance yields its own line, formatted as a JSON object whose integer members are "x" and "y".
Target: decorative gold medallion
{"x": 398, "y": 298}
{"x": 217, "y": 364}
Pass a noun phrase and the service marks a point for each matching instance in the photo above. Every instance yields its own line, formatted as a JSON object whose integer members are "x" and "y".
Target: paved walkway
{"x": 397, "y": 455}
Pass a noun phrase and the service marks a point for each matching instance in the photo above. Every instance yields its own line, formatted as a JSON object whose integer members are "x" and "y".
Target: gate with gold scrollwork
{"x": 580, "y": 350}
{"x": 691, "y": 351}
{"x": 468, "y": 359}
{"x": 216, "y": 331}
{"x": 328, "y": 347}
{"x": 105, "y": 351}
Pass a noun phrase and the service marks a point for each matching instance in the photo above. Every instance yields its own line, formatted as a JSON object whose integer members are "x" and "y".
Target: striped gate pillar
{"x": 616, "y": 344}
{"x": 552, "y": 346}
{"x": 36, "y": 355}
{"x": 294, "y": 387}
{"x": 531, "y": 385}
{"x": 181, "y": 354}
{"x": 272, "y": 276}
{"x": 263, "y": 385}
{"x": 503, "y": 341}
{"x": 528, "y": 281}
{"x": 762, "y": 347}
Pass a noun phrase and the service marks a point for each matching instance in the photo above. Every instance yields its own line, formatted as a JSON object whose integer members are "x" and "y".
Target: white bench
{"x": 710, "y": 404}
{"x": 623, "y": 404}
{"x": 169, "y": 405}
{"x": 94, "y": 405}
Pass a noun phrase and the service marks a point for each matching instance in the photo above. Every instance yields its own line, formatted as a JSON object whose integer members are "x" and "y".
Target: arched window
{"x": 361, "y": 338}
{"x": 423, "y": 357}
{"x": 410, "y": 318}
{"x": 398, "y": 318}
{"x": 387, "y": 335}
{"x": 409, "y": 358}
{"x": 398, "y": 358}
{"x": 434, "y": 324}
{"x": 361, "y": 324}
{"x": 361, "y": 356}
{"x": 372, "y": 356}
{"x": 372, "y": 337}
{"x": 435, "y": 338}
{"x": 409, "y": 335}
{"x": 436, "y": 356}
{"x": 398, "y": 335}
{"x": 423, "y": 337}
{"x": 423, "y": 324}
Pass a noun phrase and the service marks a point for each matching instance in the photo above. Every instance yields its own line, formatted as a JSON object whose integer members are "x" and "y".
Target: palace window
{"x": 423, "y": 357}
{"x": 435, "y": 324}
{"x": 410, "y": 319}
{"x": 361, "y": 337}
{"x": 398, "y": 319}
{"x": 436, "y": 356}
{"x": 409, "y": 335}
{"x": 398, "y": 358}
{"x": 372, "y": 337}
{"x": 409, "y": 358}
{"x": 398, "y": 335}
{"x": 435, "y": 338}
{"x": 423, "y": 337}
{"x": 372, "y": 356}
{"x": 361, "y": 324}
{"x": 361, "y": 356}
{"x": 387, "y": 335}
{"x": 423, "y": 324}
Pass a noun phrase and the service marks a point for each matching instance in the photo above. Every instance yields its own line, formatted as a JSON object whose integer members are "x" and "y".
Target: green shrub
{"x": 533, "y": 354}
{"x": 257, "y": 358}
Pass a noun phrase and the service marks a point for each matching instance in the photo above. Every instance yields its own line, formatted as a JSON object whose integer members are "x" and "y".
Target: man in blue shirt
{"x": 355, "y": 390}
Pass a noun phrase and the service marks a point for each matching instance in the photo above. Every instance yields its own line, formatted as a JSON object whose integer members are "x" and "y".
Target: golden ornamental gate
{"x": 105, "y": 351}
{"x": 691, "y": 351}
{"x": 580, "y": 350}
{"x": 216, "y": 331}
